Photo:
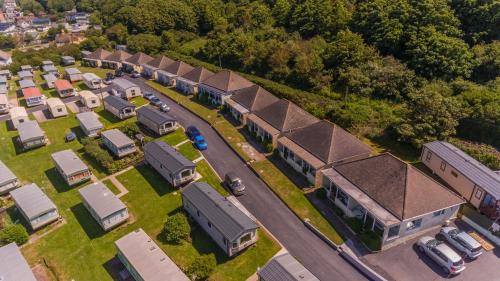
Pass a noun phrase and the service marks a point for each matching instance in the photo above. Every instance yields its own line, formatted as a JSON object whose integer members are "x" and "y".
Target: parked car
{"x": 462, "y": 241}
{"x": 70, "y": 137}
{"x": 200, "y": 143}
{"x": 192, "y": 132}
{"x": 234, "y": 183}
{"x": 119, "y": 73}
{"x": 135, "y": 74}
{"x": 148, "y": 95}
{"x": 164, "y": 107}
{"x": 109, "y": 78}
{"x": 155, "y": 101}
{"x": 442, "y": 254}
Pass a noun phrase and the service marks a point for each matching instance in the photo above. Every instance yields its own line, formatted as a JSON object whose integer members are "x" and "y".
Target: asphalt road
{"x": 315, "y": 254}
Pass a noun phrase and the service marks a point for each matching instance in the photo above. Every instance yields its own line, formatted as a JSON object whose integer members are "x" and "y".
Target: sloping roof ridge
{"x": 405, "y": 193}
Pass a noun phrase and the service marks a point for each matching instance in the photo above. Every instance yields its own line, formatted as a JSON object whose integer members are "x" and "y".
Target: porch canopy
{"x": 302, "y": 153}
{"x": 263, "y": 125}
{"x": 238, "y": 107}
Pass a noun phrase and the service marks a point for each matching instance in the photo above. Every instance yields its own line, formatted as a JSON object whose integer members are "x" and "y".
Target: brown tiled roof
{"x": 118, "y": 56}
{"x": 160, "y": 62}
{"x": 328, "y": 142}
{"x": 139, "y": 58}
{"x": 399, "y": 187}
{"x": 227, "y": 81}
{"x": 98, "y": 54}
{"x": 254, "y": 97}
{"x": 198, "y": 74}
{"x": 178, "y": 68}
{"x": 285, "y": 116}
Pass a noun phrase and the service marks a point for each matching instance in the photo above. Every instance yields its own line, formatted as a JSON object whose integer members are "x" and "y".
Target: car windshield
{"x": 458, "y": 263}
{"x": 433, "y": 243}
{"x": 453, "y": 233}
{"x": 237, "y": 183}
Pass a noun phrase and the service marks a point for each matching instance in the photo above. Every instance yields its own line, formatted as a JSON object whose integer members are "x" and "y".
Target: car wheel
{"x": 421, "y": 249}
{"x": 446, "y": 270}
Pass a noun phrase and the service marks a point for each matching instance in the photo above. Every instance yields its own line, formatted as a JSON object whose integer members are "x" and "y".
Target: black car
{"x": 192, "y": 132}
{"x": 119, "y": 73}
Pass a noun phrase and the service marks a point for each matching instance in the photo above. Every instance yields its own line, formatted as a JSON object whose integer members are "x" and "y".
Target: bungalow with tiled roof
{"x": 247, "y": 100}
{"x": 168, "y": 75}
{"x": 95, "y": 58}
{"x": 188, "y": 83}
{"x": 115, "y": 59}
{"x": 222, "y": 85}
{"x": 310, "y": 149}
{"x": 135, "y": 62}
{"x": 389, "y": 197}
{"x": 150, "y": 68}
{"x": 280, "y": 117}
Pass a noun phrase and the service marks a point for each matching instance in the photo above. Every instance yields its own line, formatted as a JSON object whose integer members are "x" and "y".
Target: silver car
{"x": 442, "y": 254}
{"x": 462, "y": 241}
{"x": 234, "y": 183}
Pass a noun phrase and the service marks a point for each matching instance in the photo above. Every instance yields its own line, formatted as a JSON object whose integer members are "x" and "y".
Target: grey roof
{"x": 117, "y": 102}
{"x": 148, "y": 260}
{"x": 198, "y": 74}
{"x": 101, "y": 199}
{"x": 13, "y": 266}
{"x": 90, "y": 76}
{"x": 170, "y": 158}
{"x": 117, "y": 137}
{"x": 67, "y": 58}
{"x": 220, "y": 212}
{"x": 49, "y": 68}
{"x": 6, "y": 175}
{"x": 5, "y": 72}
{"x": 29, "y": 130}
{"x": 27, "y": 83}
{"x": 285, "y": 268}
{"x": 47, "y": 62}
{"x": 69, "y": 162}
{"x": 49, "y": 78}
{"x": 24, "y": 73}
{"x": 72, "y": 71}
{"x": 3, "y": 79}
{"x": 123, "y": 83}
{"x": 89, "y": 120}
{"x": 31, "y": 199}
{"x": 468, "y": 166}
{"x": 155, "y": 115}
{"x": 26, "y": 67}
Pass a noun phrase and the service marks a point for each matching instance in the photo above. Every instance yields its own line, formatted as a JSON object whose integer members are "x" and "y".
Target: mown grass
{"x": 189, "y": 151}
{"x": 111, "y": 186}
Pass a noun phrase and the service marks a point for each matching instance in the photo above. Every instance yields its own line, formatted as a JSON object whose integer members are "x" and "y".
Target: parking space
{"x": 405, "y": 263}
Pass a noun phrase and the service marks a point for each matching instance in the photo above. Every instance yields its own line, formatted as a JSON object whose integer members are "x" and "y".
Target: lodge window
{"x": 429, "y": 156}
{"x": 439, "y": 213}
{"x": 443, "y": 166}
{"x": 393, "y": 231}
{"x": 414, "y": 224}
{"x": 342, "y": 197}
{"x": 478, "y": 194}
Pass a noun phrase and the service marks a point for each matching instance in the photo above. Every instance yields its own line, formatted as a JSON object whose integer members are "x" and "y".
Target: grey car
{"x": 462, "y": 241}
{"x": 442, "y": 254}
{"x": 234, "y": 183}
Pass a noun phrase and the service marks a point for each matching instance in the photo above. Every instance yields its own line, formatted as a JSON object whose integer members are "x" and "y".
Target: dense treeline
{"x": 417, "y": 69}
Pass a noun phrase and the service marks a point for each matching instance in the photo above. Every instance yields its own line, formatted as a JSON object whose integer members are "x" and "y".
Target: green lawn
{"x": 139, "y": 101}
{"x": 111, "y": 186}
{"x": 174, "y": 138}
{"x": 208, "y": 175}
{"x": 189, "y": 151}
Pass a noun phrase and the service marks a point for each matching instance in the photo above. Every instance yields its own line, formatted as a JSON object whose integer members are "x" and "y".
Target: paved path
{"x": 316, "y": 255}
{"x": 123, "y": 190}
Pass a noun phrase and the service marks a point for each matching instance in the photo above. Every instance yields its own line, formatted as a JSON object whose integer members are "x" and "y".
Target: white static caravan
{"x": 18, "y": 115}
{"x": 4, "y": 104}
{"x": 56, "y": 107}
{"x": 92, "y": 81}
{"x": 89, "y": 99}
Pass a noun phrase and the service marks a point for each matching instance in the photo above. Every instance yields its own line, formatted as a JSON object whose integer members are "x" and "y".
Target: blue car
{"x": 200, "y": 143}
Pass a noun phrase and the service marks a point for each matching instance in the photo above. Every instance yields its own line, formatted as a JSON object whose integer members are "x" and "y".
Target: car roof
{"x": 199, "y": 137}
{"x": 232, "y": 176}
{"x": 448, "y": 252}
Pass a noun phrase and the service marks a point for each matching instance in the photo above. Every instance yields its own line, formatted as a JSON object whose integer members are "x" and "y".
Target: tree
{"x": 146, "y": 43}
{"x": 169, "y": 41}
{"x": 60, "y": 5}
{"x": 117, "y": 33}
{"x": 154, "y": 16}
{"x": 488, "y": 58}
{"x": 202, "y": 267}
{"x": 7, "y": 42}
{"x": 14, "y": 233}
{"x": 94, "y": 42}
{"x": 432, "y": 115}
{"x": 31, "y": 6}
{"x": 479, "y": 19}
{"x": 177, "y": 228}
{"x": 281, "y": 11}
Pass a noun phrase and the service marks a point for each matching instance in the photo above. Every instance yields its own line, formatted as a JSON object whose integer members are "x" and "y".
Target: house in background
{"x": 92, "y": 81}
{"x": 13, "y": 266}
{"x": 389, "y": 197}
{"x": 125, "y": 89}
{"x": 26, "y": 83}
{"x": 70, "y": 167}
{"x": 89, "y": 99}
{"x": 73, "y": 74}
{"x": 6, "y": 73}
{"x": 230, "y": 228}
{"x": 282, "y": 116}
{"x": 169, "y": 163}
{"x": 56, "y": 107}
{"x": 18, "y": 115}
{"x": 188, "y": 83}
{"x": 5, "y": 58}
{"x": 158, "y": 122}
{"x": 27, "y": 68}
{"x": 144, "y": 260}
{"x": 41, "y": 24}
{"x": 4, "y": 104}
{"x": 168, "y": 75}
{"x": 3, "y": 82}
{"x": 4, "y": 90}
{"x": 115, "y": 59}
{"x": 35, "y": 206}
{"x": 33, "y": 97}
{"x": 67, "y": 60}
{"x": 64, "y": 88}
{"x": 118, "y": 143}
{"x": 95, "y": 58}
{"x": 50, "y": 68}
{"x": 8, "y": 181}
{"x": 119, "y": 107}
{"x": 135, "y": 62}
{"x": 25, "y": 75}
{"x": 149, "y": 69}
{"x": 475, "y": 182}
{"x": 89, "y": 123}
{"x": 285, "y": 268}
{"x": 247, "y": 100}
{"x": 50, "y": 80}
{"x": 103, "y": 205}
{"x": 31, "y": 135}
{"x": 222, "y": 85}
{"x": 310, "y": 149}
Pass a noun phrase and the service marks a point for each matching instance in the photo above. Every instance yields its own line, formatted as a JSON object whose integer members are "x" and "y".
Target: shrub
{"x": 320, "y": 193}
{"x": 268, "y": 146}
{"x": 177, "y": 228}
{"x": 14, "y": 233}
{"x": 130, "y": 129}
{"x": 94, "y": 149}
{"x": 202, "y": 267}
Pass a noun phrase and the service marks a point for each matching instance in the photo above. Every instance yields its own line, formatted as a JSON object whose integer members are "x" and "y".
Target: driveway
{"x": 311, "y": 251}
{"x": 405, "y": 263}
